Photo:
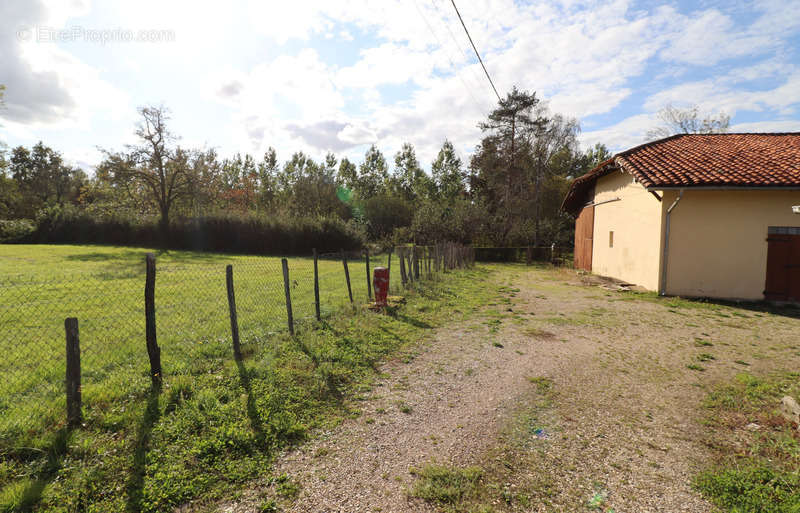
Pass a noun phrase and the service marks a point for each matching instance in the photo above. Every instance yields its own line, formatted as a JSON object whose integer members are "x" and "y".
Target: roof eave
{"x": 724, "y": 187}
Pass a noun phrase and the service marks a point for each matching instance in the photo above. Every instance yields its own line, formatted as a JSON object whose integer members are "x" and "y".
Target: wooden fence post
{"x": 416, "y": 262}
{"x": 401, "y": 254}
{"x": 73, "y": 376}
{"x": 369, "y": 281}
{"x": 428, "y": 264}
{"x": 316, "y": 286}
{"x": 389, "y": 267}
{"x": 153, "y": 351}
{"x": 410, "y": 264}
{"x": 290, "y": 319}
{"x": 237, "y": 350}
{"x": 347, "y": 276}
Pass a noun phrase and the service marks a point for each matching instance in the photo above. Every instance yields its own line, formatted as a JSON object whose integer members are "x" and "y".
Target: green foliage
{"x": 42, "y": 178}
{"x": 222, "y": 233}
{"x": 521, "y": 171}
{"x": 447, "y": 173}
{"x": 373, "y": 174}
{"x": 459, "y": 220}
{"x": 14, "y": 230}
{"x": 517, "y": 178}
{"x": 385, "y": 213}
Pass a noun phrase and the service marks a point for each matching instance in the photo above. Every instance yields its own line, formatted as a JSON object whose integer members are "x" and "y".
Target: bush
{"x": 13, "y": 230}
{"x": 459, "y": 221}
{"x": 219, "y": 233}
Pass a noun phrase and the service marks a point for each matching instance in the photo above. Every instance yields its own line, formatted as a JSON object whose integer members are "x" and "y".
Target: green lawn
{"x": 215, "y": 424}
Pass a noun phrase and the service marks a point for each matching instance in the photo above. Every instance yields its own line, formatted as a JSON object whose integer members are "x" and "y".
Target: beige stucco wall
{"x": 718, "y": 244}
{"x": 636, "y": 222}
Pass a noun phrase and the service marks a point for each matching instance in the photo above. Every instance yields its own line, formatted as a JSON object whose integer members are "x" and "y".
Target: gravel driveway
{"x": 621, "y": 420}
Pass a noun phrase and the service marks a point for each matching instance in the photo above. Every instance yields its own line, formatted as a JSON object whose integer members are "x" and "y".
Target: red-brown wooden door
{"x": 584, "y": 230}
{"x": 783, "y": 266}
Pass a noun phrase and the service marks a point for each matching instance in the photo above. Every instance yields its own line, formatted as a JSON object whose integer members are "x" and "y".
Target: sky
{"x": 340, "y": 75}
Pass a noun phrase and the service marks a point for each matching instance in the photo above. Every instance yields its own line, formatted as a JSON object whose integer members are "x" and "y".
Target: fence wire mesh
{"x": 193, "y": 325}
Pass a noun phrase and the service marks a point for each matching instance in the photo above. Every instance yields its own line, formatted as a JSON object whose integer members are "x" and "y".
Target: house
{"x": 696, "y": 216}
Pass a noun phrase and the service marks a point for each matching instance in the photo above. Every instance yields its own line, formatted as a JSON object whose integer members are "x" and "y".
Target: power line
{"x": 476, "y": 50}
{"x": 447, "y": 54}
{"x": 443, "y": 20}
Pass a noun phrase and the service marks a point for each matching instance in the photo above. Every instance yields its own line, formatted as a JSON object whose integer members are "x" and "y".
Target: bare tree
{"x": 162, "y": 169}
{"x": 688, "y": 121}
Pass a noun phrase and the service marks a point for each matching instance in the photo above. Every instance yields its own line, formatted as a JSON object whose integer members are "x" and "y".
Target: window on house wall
{"x": 611, "y": 239}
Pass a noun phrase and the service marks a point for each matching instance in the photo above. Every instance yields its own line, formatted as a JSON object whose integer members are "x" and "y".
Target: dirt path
{"x": 623, "y": 422}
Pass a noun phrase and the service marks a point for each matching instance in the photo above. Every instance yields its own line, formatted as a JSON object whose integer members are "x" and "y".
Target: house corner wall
{"x": 635, "y": 219}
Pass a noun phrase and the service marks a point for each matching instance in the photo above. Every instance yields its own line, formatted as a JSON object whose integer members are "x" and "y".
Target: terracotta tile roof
{"x": 714, "y": 160}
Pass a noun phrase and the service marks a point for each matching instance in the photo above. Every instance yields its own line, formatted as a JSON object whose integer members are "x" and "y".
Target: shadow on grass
{"x": 123, "y": 257}
{"x": 252, "y": 412}
{"x": 135, "y": 484}
{"x": 55, "y": 454}
{"x": 409, "y": 320}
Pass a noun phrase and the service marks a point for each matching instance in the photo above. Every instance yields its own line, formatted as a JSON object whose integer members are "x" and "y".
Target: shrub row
{"x": 15, "y": 229}
{"x": 220, "y": 233}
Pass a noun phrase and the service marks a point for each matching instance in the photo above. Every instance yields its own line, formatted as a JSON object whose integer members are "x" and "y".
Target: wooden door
{"x": 783, "y": 266}
{"x": 584, "y": 229}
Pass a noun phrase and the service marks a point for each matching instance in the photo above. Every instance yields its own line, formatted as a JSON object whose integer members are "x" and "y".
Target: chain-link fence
{"x": 192, "y": 312}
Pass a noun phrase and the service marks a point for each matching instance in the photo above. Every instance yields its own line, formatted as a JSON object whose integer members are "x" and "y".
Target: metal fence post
{"x": 237, "y": 350}
{"x": 153, "y": 351}
{"x": 285, "y": 264}
{"x": 316, "y": 286}
{"x": 73, "y": 375}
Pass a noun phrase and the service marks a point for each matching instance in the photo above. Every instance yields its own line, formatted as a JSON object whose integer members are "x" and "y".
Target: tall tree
{"x": 558, "y": 135}
{"x": 514, "y": 118}
{"x": 447, "y": 172}
{"x": 503, "y": 159}
{"x": 348, "y": 174}
{"x": 268, "y": 170}
{"x": 43, "y": 178}
{"x": 690, "y": 120}
{"x": 373, "y": 173}
{"x": 161, "y": 167}
{"x": 409, "y": 180}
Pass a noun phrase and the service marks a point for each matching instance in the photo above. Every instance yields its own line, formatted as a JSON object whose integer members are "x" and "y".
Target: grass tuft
{"x": 445, "y": 485}
{"x": 752, "y": 470}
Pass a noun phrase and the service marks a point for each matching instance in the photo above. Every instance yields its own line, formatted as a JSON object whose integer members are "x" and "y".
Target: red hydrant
{"x": 380, "y": 282}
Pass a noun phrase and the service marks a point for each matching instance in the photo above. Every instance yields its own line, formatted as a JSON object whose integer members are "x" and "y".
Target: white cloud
{"x": 46, "y": 85}
{"x": 388, "y": 63}
{"x": 620, "y": 136}
{"x": 707, "y": 37}
{"x": 720, "y": 95}
{"x": 786, "y": 125}
{"x": 253, "y": 69}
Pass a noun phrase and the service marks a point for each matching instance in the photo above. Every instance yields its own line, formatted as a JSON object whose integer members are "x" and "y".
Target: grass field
{"x": 214, "y": 424}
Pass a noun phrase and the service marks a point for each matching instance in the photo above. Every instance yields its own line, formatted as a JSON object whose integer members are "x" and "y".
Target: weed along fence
{"x": 76, "y": 344}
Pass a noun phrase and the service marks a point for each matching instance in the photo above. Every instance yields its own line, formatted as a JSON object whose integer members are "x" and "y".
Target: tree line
{"x": 508, "y": 193}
